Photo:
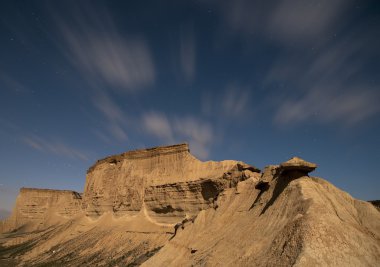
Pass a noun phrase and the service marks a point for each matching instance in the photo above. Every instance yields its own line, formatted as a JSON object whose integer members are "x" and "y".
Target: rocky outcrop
{"x": 166, "y": 183}
{"x": 294, "y": 222}
{"x": 168, "y": 203}
{"x": 164, "y": 207}
{"x": 39, "y": 208}
{"x": 291, "y": 169}
{"x": 297, "y": 164}
{"x": 121, "y": 184}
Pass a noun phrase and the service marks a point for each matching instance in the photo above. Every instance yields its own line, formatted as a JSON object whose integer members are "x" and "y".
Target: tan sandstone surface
{"x": 164, "y": 207}
{"x": 38, "y": 208}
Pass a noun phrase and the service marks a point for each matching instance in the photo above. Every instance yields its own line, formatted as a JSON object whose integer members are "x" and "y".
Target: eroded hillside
{"x": 164, "y": 207}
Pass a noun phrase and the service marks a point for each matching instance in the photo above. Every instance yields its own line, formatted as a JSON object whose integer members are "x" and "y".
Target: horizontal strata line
{"x": 27, "y": 189}
{"x": 143, "y": 153}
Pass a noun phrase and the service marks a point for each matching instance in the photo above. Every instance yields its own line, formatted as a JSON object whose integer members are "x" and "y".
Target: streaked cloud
{"x": 198, "y": 132}
{"x": 321, "y": 73}
{"x": 53, "y": 147}
{"x": 188, "y": 52}
{"x": 114, "y": 118}
{"x": 286, "y": 21}
{"x": 12, "y": 84}
{"x": 298, "y": 20}
{"x": 324, "y": 106}
{"x": 104, "y": 55}
{"x": 178, "y": 129}
{"x": 232, "y": 103}
{"x": 327, "y": 87}
{"x": 235, "y": 101}
{"x": 158, "y": 125}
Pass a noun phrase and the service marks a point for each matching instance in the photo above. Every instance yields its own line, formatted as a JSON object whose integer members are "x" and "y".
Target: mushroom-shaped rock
{"x": 297, "y": 164}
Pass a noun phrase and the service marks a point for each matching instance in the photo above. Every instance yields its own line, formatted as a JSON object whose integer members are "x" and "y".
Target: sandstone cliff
{"x": 167, "y": 181}
{"x": 39, "y": 208}
{"x": 163, "y": 207}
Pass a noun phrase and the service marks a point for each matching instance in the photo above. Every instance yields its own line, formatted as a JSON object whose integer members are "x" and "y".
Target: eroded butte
{"x": 164, "y": 207}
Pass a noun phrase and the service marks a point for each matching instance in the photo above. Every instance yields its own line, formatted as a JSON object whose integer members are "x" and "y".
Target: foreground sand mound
{"x": 151, "y": 208}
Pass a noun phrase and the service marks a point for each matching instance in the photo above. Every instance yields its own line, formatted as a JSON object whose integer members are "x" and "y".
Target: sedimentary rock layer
{"x": 120, "y": 184}
{"x": 38, "y": 208}
{"x": 292, "y": 221}
{"x": 167, "y": 183}
{"x": 168, "y": 202}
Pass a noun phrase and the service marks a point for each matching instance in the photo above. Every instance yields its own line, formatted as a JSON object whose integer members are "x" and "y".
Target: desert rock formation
{"x": 38, "y": 208}
{"x": 298, "y": 165}
{"x": 164, "y": 207}
{"x": 168, "y": 181}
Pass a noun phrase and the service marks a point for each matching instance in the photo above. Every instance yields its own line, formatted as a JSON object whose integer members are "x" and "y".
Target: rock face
{"x": 298, "y": 165}
{"x": 296, "y": 222}
{"x": 38, "y": 208}
{"x": 121, "y": 184}
{"x": 168, "y": 203}
{"x": 164, "y": 207}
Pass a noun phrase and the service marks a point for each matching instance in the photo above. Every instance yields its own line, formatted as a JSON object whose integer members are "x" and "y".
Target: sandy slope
{"x": 105, "y": 242}
{"x": 303, "y": 222}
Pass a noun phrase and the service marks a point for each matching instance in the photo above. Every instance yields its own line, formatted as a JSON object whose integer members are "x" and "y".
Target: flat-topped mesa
{"x": 50, "y": 191}
{"x": 120, "y": 184}
{"x": 143, "y": 153}
{"x": 37, "y": 208}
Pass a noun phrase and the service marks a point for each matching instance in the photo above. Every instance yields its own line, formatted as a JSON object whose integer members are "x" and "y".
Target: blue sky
{"x": 245, "y": 80}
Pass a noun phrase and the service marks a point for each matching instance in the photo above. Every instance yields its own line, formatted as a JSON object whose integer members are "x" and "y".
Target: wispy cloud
{"x": 158, "y": 124}
{"x": 233, "y": 103}
{"x": 199, "y": 134}
{"x": 178, "y": 129}
{"x": 12, "y": 84}
{"x": 53, "y": 147}
{"x": 324, "y": 106}
{"x": 327, "y": 87}
{"x": 115, "y": 118}
{"x": 322, "y": 72}
{"x": 188, "y": 52}
{"x": 109, "y": 60}
{"x": 300, "y": 21}
{"x": 103, "y": 54}
{"x": 286, "y": 21}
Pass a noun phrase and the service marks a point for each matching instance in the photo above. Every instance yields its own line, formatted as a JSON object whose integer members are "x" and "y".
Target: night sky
{"x": 247, "y": 80}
